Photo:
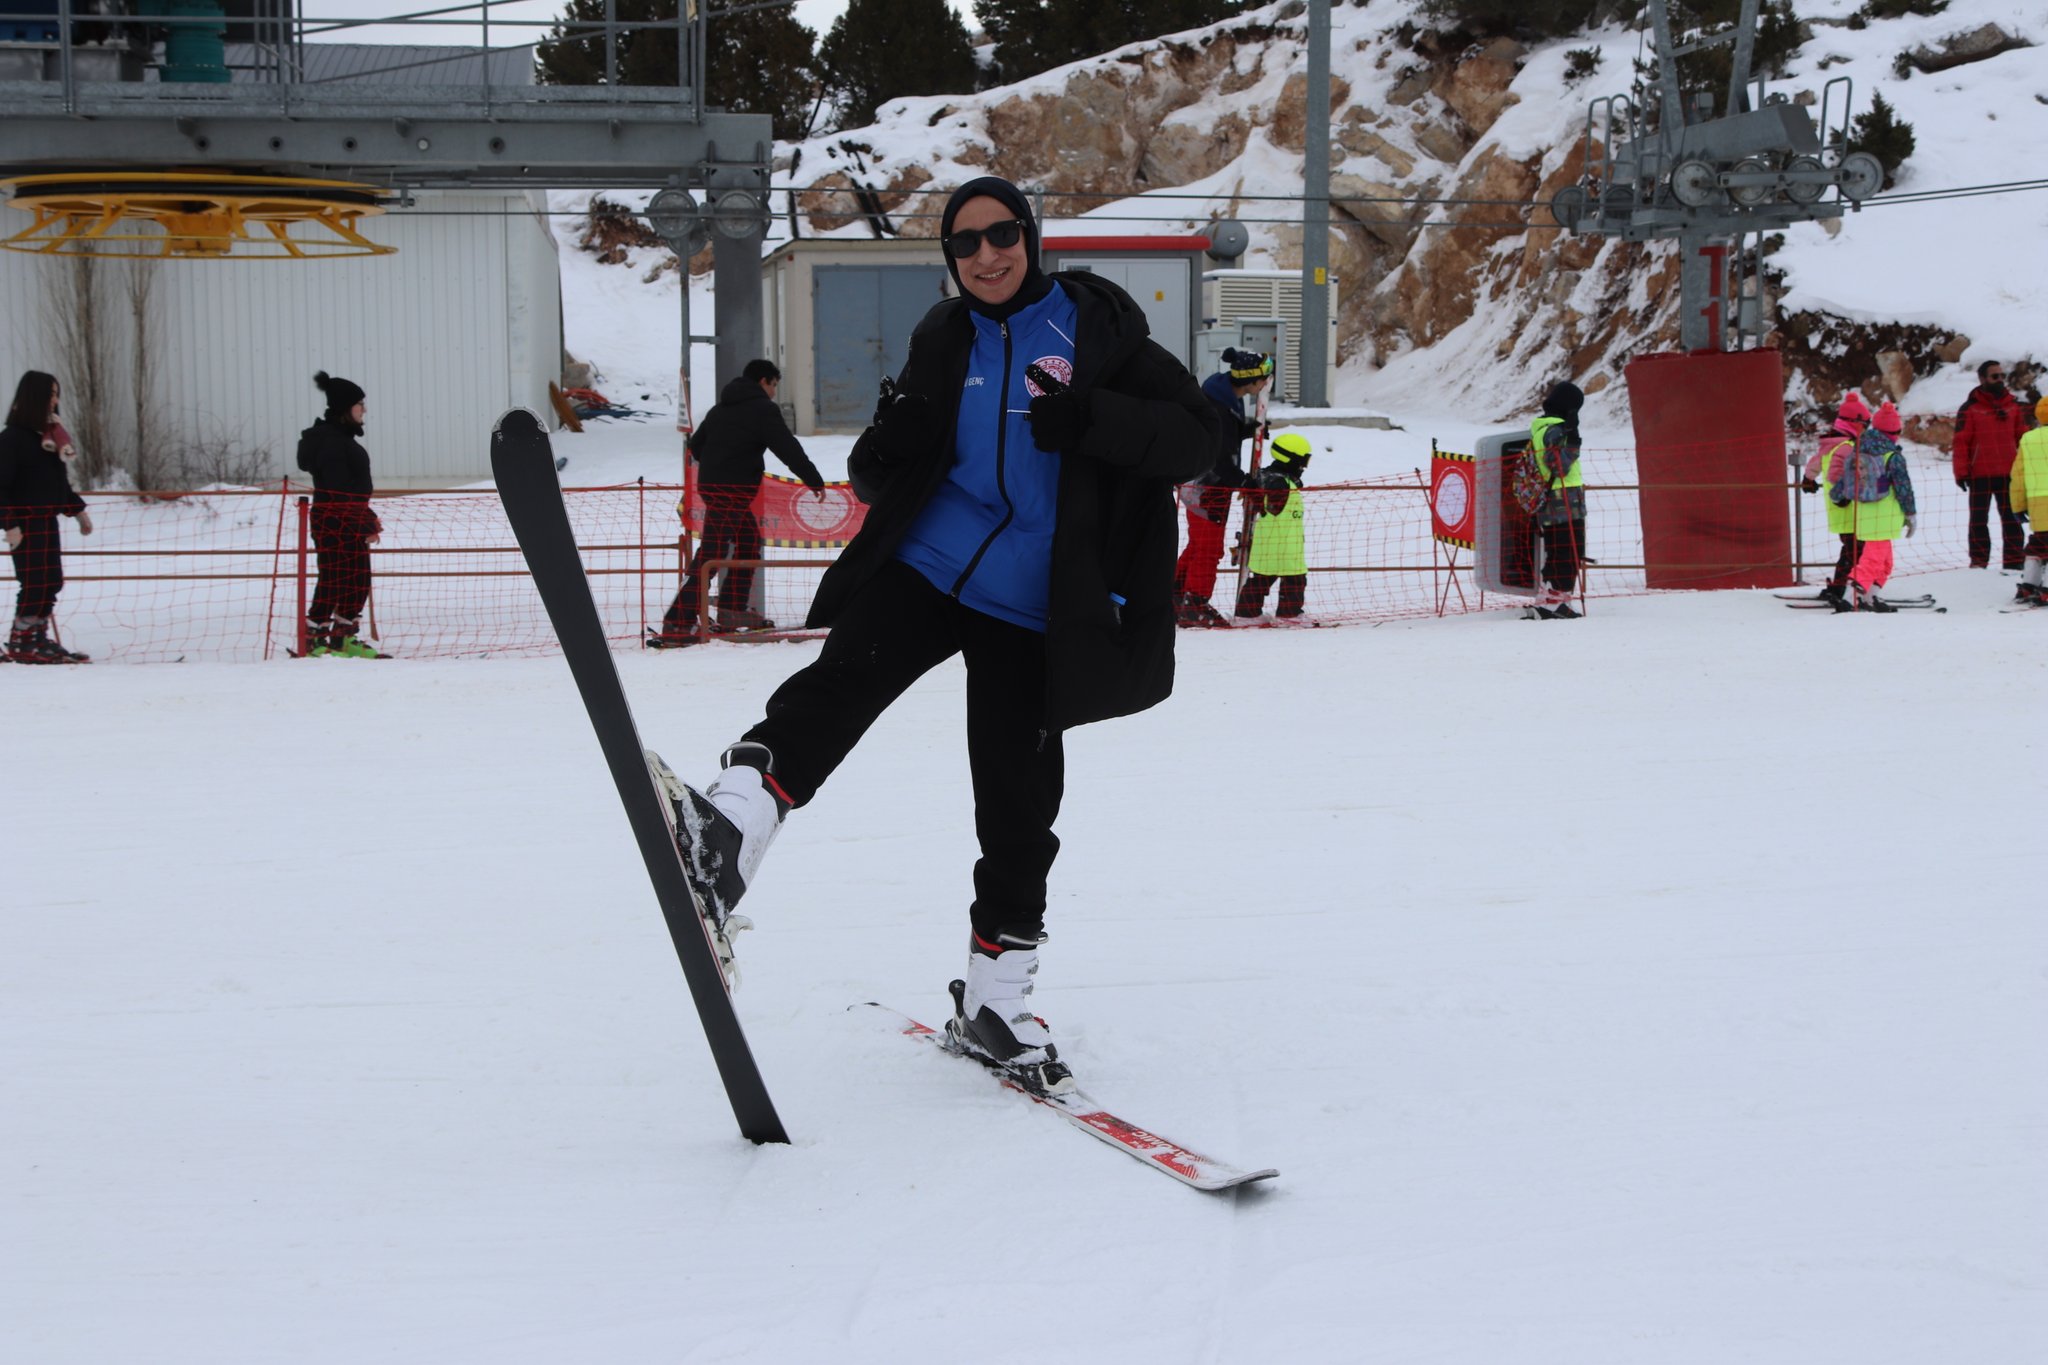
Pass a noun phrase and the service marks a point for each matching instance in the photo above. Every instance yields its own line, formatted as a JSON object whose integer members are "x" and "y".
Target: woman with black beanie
{"x": 35, "y": 490}
{"x": 1019, "y": 477}
{"x": 344, "y": 527}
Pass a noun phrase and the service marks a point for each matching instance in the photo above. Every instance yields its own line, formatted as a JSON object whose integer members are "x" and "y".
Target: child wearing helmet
{"x": 1561, "y": 516}
{"x": 1279, "y": 540}
{"x": 1875, "y": 488}
{"x": 1836, "y": 445}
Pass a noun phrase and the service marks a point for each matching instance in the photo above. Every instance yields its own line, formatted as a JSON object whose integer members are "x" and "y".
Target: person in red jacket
{"x": 1988, "y": 430}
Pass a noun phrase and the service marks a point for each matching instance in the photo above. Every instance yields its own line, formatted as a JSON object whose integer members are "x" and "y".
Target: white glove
{"x": 1911, "y": 524}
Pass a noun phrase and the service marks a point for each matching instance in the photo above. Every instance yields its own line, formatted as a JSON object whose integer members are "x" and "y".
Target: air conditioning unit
{"x": 1230, "y": 296}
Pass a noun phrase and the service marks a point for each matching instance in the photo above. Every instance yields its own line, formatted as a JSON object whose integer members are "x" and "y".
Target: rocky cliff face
{"x": 1442, "y": 151}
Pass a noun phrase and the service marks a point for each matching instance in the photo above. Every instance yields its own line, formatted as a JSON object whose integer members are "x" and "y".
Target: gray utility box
{"x": 1162, "y": 274}
{"x": 1506, "y": 552}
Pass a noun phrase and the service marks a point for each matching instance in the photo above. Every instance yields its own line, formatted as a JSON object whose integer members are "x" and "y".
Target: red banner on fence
{"x": 793, "y": 517}
{"x": 1453, "y": 497}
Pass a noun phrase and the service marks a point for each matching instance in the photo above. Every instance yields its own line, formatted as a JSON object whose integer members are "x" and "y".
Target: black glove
{"x": 1809, "y": 486}
{"x": 2022, "y": 517}
{"x": 1839, "y": 502}
{"x": 904, "y": 424}
{"x": 1963, "y": 484}
{"x": 1057, "y": 421}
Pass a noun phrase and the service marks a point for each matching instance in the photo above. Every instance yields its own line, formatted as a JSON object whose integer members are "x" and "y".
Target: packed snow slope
{"x": 1663, "y": 987}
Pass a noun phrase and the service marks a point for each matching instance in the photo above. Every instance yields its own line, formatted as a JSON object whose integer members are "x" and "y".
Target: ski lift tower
{"x": 1711, "y": 455}
{"x": 1710, "y": 178}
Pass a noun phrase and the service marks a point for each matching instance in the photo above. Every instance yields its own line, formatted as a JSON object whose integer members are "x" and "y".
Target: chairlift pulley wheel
{"x": 1694, "y": 184}
{"x": 1862, "y": 175}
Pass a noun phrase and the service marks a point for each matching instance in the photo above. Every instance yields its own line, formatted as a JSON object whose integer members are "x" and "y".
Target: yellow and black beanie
{"x": 1247, "y": 366}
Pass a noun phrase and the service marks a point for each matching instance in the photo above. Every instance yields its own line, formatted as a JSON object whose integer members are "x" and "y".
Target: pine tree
{"x": 879, "y": 50}
{"x": 757, "y": 63}
{"x": 1031, "y": 36}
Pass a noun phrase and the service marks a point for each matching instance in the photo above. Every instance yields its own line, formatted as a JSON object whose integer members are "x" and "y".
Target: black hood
{"x": 1035, "y": 283}
{"x": 742, "y": 390}
{"x": 1564, "y": 400}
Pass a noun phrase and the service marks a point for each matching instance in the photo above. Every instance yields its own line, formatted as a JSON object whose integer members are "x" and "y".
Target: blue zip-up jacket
{"x": 986, "y": 535}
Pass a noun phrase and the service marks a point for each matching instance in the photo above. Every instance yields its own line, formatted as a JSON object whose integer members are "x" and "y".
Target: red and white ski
{"x": 1161, "y": 1154}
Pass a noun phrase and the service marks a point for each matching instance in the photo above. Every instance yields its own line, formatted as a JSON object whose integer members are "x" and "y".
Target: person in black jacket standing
{"x": 1207, "y": 499}
{"x": 1019, "y": 477}
{"x": 35, "y": 490}
{"x": 727, "y": 446}
{"x": 344, "y": 526}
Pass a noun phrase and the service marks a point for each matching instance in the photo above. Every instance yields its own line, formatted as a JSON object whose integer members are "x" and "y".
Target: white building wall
{"x": 463, "y": 322}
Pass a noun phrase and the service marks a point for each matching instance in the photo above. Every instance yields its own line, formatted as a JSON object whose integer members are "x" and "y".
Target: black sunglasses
{"x": 967, "y": 241}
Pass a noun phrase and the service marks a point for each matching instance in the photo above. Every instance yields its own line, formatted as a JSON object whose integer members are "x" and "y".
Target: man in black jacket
{"x": 1019, "y": 478}
{"x": 727, "y": 447}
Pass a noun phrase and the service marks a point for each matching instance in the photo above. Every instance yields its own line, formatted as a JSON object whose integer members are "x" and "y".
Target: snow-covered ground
{"x": 1664, "y": 987}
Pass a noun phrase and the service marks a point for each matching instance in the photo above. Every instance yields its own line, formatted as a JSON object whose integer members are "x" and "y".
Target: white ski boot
{"x": 723, "y": 832}
{"x": 993, "y": 1021}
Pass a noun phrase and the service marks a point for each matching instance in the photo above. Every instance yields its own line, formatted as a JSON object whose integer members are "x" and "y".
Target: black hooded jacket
{"x": 35, "y": 487}
{"x": 1149, "y": 428}
{"x": 743, "y": 423}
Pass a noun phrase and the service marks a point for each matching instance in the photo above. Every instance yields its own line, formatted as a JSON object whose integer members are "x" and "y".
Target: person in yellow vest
{"x": 1561, "y": 516}
{"x": 2030, "y": 472}
{"x": 1850, "y": 420}
{"x": 1279, "y": 537}
{"x": 1875, "y": 487}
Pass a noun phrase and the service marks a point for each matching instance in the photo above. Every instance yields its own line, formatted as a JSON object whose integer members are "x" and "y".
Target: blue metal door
{"x": 861, "y": 317}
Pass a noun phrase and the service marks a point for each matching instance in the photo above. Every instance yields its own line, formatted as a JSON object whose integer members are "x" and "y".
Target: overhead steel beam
{"x": 624, "y": 146}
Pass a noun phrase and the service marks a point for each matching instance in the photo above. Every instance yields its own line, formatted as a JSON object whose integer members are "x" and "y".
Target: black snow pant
{"x": 896, "y": 628}
{"x": 1844, "y": 562}
{"x": 1251, "y": 598}
{"x": 38, "y": 568}
{"x": 1983, "y": 492}
{"x": 1564, "y": 544}
{"x": 730, "y": 532}
{"x": 343, "y": 558}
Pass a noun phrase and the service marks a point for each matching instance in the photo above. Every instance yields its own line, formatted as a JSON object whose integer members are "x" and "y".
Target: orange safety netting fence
{"x": 224, "y": 575}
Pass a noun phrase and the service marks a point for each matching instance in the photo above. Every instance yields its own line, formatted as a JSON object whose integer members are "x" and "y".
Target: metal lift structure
{"x": 221, "y": 128}
{"x": 1681, "y": 169}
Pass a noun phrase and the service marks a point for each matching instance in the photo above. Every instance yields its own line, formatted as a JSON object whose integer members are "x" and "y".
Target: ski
{"x": 1811, "y": 600}
{"x": 1076, "y": 1107}
{"x": 524, "y": 466}
{"x": 1896, "y": 603}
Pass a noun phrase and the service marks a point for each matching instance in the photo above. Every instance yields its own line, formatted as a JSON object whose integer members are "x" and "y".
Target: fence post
{"x": 305, "y": 523}
{"x": 642, "y": 481}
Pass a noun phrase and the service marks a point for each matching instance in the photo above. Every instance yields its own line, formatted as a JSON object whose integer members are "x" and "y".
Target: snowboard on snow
{"x": 524, "y": 465}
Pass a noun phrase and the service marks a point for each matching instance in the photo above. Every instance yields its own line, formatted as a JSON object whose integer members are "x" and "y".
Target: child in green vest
{"x": 1279, "y": 540}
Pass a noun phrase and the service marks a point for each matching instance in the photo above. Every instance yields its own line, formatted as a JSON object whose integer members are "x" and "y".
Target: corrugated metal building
{"x": 462, "y": 323}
